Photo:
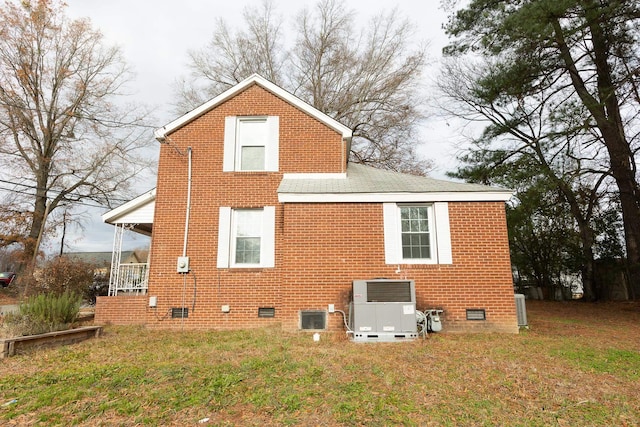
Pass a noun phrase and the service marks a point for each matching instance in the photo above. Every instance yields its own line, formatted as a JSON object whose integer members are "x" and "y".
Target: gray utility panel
{"x": 383, "y": 310}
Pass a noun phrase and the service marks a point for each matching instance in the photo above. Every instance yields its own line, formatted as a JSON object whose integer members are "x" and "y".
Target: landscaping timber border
{"x": 13, "y": 346}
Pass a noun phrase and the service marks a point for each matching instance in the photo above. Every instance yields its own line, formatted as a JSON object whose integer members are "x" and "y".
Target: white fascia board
{"x": 111, "y": 216}
{"x": 493, "y": 196}
{"x": 314, "y": 176}
{"x": 161, "y": 133}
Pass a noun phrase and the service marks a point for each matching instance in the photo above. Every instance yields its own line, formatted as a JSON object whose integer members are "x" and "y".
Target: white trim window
{"x": 246, "y": 238}
{"x": 417, "y": 233}
{"x": 251, "y": 143}
{"x": 416, "y": 236}
{"x": 246, "y": 233}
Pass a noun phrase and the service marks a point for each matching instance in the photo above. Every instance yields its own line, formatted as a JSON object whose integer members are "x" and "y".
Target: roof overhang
{"x": 493, "y": 196}
{"x": 122, "y": 214}
{"x": 162, "y": 133}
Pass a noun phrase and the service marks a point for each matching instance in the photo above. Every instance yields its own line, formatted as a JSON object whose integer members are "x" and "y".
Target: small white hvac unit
{"x": 521, "y": 311}
{"x": 383, "y": 310}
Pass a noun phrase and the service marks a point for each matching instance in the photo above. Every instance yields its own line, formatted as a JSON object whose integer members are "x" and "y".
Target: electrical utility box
{"x": 383, "y": 310}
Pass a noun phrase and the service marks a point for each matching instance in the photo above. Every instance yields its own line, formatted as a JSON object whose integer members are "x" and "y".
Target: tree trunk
{"x": 587, "y": 275}
{"x": 630, "y": 202}
{"x": 605, "y": 110}
{"x": 31, "y": 247}
{"x": 609, "y": 121}
{"x": 586, "y": 233}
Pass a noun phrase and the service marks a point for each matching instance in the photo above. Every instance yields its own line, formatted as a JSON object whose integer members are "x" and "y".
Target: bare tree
{"x": 231, "y": 56}
{"x": 63, "y": 137}
{"x": 367, "y": 78}
{"x": 14, "y": 223}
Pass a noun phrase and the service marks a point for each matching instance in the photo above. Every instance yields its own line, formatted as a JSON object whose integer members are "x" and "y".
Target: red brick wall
{"x": 303, "y": 140}
{"x": 320, "y": 248}
{"x": 121, "y": 310}
{"x": 326, "y": 247}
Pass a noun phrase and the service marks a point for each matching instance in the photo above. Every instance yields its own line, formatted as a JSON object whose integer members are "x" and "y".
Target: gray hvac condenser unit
{"x": 383, "y": 310}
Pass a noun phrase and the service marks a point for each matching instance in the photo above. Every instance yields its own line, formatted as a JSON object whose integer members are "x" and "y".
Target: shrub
{"x": 45, "y": 313}
{"x": 63, "y": 274}
{"x": 15, "y": 325}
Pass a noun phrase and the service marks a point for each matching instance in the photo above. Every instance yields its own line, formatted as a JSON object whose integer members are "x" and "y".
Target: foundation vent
{"x": 476, "y": 314}
{"x": 179, "y": 312}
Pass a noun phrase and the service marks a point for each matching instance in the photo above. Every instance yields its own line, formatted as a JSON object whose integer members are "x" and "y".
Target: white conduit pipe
{"x": 186, "y": 222}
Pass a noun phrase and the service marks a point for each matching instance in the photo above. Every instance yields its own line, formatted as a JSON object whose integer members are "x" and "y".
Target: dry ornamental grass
{"x": 577, "y": 365}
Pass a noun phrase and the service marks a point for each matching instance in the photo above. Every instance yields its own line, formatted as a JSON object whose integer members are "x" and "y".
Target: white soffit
{"x": 161, "y": 133}
{"x": 496, "y": 196}
{"x": 141, "y": 209}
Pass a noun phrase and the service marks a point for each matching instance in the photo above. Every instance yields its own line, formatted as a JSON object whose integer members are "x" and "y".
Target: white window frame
{"x": 233, "y": 240}
{"x": 240, "y": 144}
{"x": 439, "y": 234}
{"x": 232, "y": 146}
{"x": 227, "y": 239}
{"x": 431, "y": 233}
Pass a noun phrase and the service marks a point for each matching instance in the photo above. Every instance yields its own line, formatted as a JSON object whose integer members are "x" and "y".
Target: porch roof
{"x": 138, "y": 213}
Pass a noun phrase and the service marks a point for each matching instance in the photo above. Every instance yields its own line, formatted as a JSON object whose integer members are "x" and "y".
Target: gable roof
{"x": 161, "y": 133}
{"x": 367, "y": 184}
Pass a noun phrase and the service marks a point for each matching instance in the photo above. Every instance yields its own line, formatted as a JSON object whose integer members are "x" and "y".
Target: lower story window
{"x": 247, "y": 232}
{"x": 246, "y": 238}
{"x": 417, "y": 233}
{"x": 313, "y": 319}
{"x": 416, "y": 236}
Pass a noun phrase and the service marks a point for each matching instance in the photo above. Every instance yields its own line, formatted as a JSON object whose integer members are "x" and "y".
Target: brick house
{"x": 257, "y": 205}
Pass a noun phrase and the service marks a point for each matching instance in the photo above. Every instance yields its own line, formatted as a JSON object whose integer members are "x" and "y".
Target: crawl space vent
{"x": 476, "y": 314}
{"x": 313, "y": 320}
{"x": 179, "y": 312}
{"x": 266, "y": 312}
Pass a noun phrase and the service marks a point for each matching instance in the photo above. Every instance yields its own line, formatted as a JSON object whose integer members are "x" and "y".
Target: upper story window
{"x": 417, "y": 233}
{"x": 251, "y": 143}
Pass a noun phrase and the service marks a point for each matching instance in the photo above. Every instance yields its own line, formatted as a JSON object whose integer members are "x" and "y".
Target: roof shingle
{"x": 366, "y": 179}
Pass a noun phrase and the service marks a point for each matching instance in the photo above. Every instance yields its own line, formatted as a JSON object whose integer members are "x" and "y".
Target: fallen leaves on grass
{"x": 578, "y": 364}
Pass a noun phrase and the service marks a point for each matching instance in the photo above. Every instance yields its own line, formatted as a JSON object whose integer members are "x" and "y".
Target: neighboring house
{"x": 102, "y": 260}
{"x": 258, "y": 218}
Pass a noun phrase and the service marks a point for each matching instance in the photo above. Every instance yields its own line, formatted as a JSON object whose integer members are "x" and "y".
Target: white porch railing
{"x": 129, "y": 278}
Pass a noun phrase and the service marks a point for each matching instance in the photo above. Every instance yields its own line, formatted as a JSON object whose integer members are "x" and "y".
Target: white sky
{"x": 156, "y": 35}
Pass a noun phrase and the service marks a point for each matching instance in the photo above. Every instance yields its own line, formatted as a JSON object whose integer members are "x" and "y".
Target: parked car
{"x": 6, "y": 278}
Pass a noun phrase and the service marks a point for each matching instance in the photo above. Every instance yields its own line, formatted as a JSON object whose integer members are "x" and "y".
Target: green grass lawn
{"x": 577, "y": 365}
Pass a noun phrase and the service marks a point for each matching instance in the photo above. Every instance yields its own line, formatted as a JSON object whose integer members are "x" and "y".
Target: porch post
{"x": 116, "y": 253}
